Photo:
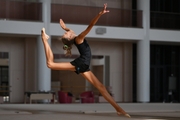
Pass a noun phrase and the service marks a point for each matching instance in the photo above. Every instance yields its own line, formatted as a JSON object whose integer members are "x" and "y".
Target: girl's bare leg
{"x": 50, "y": 58}
{"x": 92, "y": 79}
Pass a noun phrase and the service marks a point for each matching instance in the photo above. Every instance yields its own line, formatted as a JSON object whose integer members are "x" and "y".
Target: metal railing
{"x": 164, "y": 20}
{"x": 73, "y": 14}
{"x": 20, "y": 10}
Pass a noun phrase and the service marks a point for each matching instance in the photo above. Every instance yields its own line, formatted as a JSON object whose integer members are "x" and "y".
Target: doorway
{"x": 4, "y": 76}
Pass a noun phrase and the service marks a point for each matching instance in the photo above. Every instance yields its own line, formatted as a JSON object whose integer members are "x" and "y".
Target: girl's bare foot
{"x": 44, "y": 35}
{"x": 127, "y": 115}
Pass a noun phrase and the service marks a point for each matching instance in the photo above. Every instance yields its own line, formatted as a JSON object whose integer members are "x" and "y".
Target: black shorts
{"x": 80, "y": 66}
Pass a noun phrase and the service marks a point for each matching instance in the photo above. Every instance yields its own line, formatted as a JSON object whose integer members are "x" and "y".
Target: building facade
{"x": 135, "y": 48}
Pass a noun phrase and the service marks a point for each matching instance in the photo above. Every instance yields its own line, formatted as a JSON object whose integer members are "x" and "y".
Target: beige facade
{"x": 23, "y": 62}
{"x": 122, "y": 29}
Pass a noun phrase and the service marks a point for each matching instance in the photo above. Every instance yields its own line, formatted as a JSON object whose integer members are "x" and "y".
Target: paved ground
{"x": 88, "y": 112}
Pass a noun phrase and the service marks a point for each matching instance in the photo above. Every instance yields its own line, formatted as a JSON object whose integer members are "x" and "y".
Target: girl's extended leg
{"x": 92, "y": 79}
{"x": 48, "y": 52}
{"x": 49, "y": 56}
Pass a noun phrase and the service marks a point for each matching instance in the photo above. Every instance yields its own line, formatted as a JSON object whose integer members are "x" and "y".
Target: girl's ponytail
{"x": 67, "y": 46}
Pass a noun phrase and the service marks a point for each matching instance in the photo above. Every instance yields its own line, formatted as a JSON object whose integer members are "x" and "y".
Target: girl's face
{"x": 67, "y": 35}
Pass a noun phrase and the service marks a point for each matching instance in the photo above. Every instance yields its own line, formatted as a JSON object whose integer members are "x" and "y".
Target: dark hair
{"x": 67, "y": 45}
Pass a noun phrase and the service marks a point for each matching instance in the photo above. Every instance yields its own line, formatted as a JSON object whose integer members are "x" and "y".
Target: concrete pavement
{"x": 99, "y": 111}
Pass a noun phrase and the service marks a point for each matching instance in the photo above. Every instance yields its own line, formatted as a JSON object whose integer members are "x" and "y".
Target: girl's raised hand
{"x": 104, "y": 9}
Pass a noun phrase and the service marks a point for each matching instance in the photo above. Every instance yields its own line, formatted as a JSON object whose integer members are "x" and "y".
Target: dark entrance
{"x": 164, "y": 73}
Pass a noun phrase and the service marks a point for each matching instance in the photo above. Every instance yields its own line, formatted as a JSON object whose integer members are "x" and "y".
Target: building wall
{"x": 22, "y": 57}
{"x": 124, "y": 4}
{"x": 22, "y": 65}
{"x": 30, "y": 64}
{"x": 15, "y": 47}
{"x": 23, "y": 51}
{"x": 114, "y": 35}
{"x": 120, "y": 54}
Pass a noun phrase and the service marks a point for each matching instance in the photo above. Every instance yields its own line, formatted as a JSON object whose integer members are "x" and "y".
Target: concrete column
{"x": 143, "y": 55}
{"x": 43, "y": 72}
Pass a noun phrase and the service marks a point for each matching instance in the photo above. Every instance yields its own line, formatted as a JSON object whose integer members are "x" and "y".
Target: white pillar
{"x": 43, "y": 72}
{"x": 143, "y": 55}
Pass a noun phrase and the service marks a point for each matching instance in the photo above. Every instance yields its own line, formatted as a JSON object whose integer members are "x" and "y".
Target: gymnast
{"x": 81, "y": 64}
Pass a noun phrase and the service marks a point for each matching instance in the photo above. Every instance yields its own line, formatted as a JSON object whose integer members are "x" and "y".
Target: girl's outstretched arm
{"x": 82, "y": 35}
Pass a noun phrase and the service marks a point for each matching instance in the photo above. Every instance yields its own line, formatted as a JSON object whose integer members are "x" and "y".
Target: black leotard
{"x": 82, "y": 63}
